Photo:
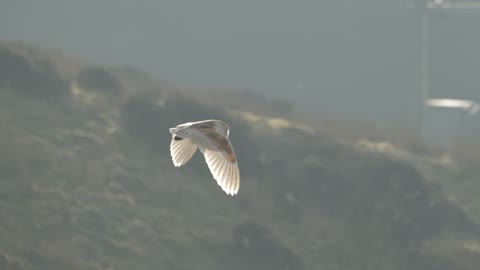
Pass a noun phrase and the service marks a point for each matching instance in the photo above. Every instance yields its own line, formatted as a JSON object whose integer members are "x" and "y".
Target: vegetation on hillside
{"x": 86, "y": 182}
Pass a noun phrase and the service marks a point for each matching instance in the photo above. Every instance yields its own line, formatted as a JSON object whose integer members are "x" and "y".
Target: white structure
{"x": 448, "y": 119}
{"x": 467, "y": 105}
{"x": 441, "y": 120}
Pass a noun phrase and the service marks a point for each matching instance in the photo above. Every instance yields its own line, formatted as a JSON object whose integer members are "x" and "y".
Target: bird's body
{"x": 211, "y": 137}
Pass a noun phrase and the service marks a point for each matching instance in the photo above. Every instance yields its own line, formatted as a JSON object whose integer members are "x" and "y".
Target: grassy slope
{"x": 86, "y": 182}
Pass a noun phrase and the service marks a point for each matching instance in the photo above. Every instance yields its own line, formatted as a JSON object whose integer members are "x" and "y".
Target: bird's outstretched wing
{"x": 182, "y": 151}
{"x": 222, "y": 162}
{"x": 223, "y": 171}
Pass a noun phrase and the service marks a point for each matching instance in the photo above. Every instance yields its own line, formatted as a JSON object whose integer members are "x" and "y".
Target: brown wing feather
{"x": 222, "y": 144}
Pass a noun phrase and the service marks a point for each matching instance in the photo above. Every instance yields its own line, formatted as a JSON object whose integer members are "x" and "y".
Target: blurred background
{"x": 356, "y": 125}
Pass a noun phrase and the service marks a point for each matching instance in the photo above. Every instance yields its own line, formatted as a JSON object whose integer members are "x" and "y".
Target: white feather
{"x": 182, "y": 151}
{"x": 226, "y": 173}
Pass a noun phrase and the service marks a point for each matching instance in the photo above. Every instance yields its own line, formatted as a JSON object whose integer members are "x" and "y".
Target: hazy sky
{"x": 350, "y": 57}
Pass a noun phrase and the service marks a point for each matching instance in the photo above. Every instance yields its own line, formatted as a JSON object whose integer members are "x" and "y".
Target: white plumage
{"x": 211, "y": 137}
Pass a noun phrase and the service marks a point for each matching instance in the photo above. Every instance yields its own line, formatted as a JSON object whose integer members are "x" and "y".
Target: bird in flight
{"x": 211, "y": 137}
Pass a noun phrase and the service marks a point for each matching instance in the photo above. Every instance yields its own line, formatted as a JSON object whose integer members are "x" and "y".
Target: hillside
{"x": 86, "y": 182}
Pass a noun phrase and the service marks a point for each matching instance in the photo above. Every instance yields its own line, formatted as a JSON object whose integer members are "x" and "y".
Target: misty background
{"x": 349, "y": 58}
{"x": 342, "y": 166}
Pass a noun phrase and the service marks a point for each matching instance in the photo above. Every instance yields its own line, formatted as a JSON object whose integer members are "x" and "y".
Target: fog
{"x": 354, "y": 125}
{"x": 354, "y": 58}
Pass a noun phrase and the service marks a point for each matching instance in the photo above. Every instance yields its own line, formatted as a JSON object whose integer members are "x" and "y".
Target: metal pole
{"x": 424, "y": 65}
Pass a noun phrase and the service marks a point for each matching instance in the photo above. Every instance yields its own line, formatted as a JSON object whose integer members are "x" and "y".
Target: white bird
{"x": 211, "y": 137}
